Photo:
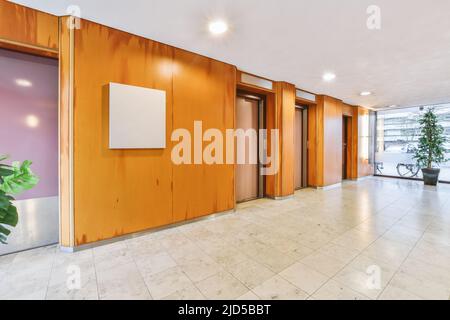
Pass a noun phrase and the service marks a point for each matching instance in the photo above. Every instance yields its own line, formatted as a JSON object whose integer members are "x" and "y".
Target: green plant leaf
{"x": 5, "y": 202}
{"x": 21, "y": 180}
{"x": 3, "y": 239}
{"x": 431, "y": 149}
{"x": 4, "y": 231}
{"x": 9, "y": 216}
{"x": 5, "y": 171}
{"x": 14, "y": 179}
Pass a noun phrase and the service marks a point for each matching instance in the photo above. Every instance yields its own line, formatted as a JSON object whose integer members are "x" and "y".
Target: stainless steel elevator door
{"x": 247, "y": 175}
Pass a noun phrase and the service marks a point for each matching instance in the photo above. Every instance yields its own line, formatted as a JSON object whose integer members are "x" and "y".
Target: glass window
{"x": 397, "y": 138}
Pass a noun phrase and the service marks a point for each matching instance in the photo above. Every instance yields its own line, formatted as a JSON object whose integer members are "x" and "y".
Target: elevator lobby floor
{"x": 373, "y": 239}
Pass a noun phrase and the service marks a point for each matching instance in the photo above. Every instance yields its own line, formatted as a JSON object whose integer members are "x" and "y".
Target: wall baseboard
{"x": 330, "y": 187}
{"x": 141, "y": 233}
{"x": 283, "y": 198}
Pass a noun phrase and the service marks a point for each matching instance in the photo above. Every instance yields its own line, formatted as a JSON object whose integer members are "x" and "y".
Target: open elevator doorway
{"x": 347, "y": 147}
{"x": 300, "y": 147}
{"x": 250, "y": 115}
{"x": 29, "y": 131}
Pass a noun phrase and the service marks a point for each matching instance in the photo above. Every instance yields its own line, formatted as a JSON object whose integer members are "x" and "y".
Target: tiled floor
{"x": 373, "y": 239}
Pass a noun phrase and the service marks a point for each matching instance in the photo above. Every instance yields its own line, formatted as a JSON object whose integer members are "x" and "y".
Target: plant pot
{"x": 431, "y": 176}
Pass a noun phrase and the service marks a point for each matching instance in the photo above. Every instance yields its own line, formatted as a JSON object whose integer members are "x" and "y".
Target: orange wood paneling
{"x": 332, "y": 163}
{"x": 355, "y": 136}
{"x": 65, "y": 139}
{"x": 117, "y": 192}
{"x": 316, "y": 143}
{"x": 28, "y": 30}
{"x": 347, "y": 110}
{"x": 352, "y": 156}
{"x": 204, "y": 90}
{"x": 325, "y": 142}
{"x": 286, "y": 124}
{"x": 271, "y": 181}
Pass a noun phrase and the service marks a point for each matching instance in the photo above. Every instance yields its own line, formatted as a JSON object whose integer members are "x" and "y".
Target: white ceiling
{"x": 406, "y": 63}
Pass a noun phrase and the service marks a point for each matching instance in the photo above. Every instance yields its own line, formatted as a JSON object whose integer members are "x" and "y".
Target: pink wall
{"x": 29, "y": 117}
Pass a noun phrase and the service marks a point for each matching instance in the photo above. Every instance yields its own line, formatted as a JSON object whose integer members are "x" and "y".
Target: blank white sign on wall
{"x": 137, "y": 117}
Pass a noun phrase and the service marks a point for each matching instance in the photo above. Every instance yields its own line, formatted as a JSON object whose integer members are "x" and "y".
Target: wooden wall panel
{"x": 117, "y": 192}
{"x": 347, "y": 110}
{"x": 332, "y": 163}
{"x": 204, "y": 90}
{"x": 27, "y": 29}
{"x": 65, "y": 136}
{"x": 355, "y": 136}
{"x": 325, "y": 142}
{"x": 271, "y": 181}
{"x": 352, "y": 111}
{"x": 312, "y": 145}
{"x": 286, "y": 123}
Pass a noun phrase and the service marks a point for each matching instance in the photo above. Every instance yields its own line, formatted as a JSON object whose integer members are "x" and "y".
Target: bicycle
{"x": 379, "y": 166}
{"x": 408, "y": 170}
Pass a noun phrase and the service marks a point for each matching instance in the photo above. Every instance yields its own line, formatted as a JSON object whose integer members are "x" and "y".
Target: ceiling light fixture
{"x": 218, "y": 27}
{"x": 23, "y": 83}
{"x": 329, "y": 76}
{"x": 365, "y": 93}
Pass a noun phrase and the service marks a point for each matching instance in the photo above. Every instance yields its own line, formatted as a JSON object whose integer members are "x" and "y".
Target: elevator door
{"x": 247, "y": 177}
{"x": 346, "y": 147}
{"x": 298, "y": 142}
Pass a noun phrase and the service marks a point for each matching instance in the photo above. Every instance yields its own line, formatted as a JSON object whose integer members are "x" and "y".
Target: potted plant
{"x": 14, "y": 179}
{"x": 431, "y": 150}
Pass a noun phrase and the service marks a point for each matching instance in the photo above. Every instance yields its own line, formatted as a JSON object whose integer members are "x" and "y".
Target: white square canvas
{"x": 137, "y": 117}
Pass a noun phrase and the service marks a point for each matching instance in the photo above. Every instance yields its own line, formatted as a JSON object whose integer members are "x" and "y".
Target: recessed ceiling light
{"x": 365, "y": 93}
{"x": 393, "y": 106}
{"x": 329, "y": 76}
{"x": 218, "y": 27}
{"x": 23, "y": 83}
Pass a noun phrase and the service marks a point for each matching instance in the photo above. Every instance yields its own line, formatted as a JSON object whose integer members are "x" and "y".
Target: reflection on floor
{"x": 373, "y": 239}
{"x": 38, "y": 225}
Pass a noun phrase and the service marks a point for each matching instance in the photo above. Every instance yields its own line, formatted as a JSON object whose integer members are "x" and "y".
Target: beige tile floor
{"x": 373, "y": 239}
